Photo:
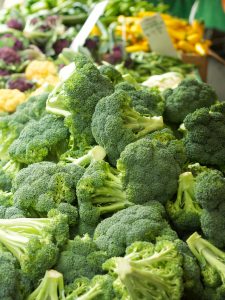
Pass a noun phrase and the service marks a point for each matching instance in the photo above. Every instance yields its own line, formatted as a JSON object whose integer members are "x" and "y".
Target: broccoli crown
{"x": 44, "y": 186}
{"x": 186, "y": 98}
{"x": 148, "y": 271}
{"x": 46, "y": 138}
{"x": 12, "y": 125}
{"x": 80, "y": 258}
{"x": 204, "y": 132}
{"x": 8, "y": 170}
{"x": 185, "y": 212}
{"x": 77, "y": 97}
{"x": 42, "y": 237}
{"x": 116, "y": 124}
{"x": 138, "y": 222}
{"x": 145, "y": 101}
{"x": 99, "y": 288}
{"x": 111, "y": 73}
{"x": 99, "y": 192}
{"x": 150, "y": 168}
{"x": 51, "y": 287}
{"x": 212, "y": 263}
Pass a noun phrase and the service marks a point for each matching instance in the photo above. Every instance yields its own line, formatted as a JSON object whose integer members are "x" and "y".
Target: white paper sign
{"x": 96, "y": 13}
{"x": 155, "y": 30}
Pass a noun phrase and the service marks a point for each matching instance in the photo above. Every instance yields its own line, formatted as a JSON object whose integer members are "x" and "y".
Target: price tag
{"x": 155, "y": 30}
{"x": 95, "y": 14}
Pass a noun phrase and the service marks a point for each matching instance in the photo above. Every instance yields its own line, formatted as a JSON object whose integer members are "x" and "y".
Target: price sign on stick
{"x": 95, "y": 14}
{"x": 155, "y": 30}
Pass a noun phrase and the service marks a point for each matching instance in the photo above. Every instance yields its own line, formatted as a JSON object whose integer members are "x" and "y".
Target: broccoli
{"x": 99, "y": 193}
{"x": 204, "y": 132}
{"x": 111, "y": 73}
{"x": 138, "y": 222}
{"x": 80, "y": 258}
{"x": 45, "y": 139}
{"x": 51, "y": 287}
{"x": 7, "y": 208}
{"x": 76, "y": 98}
{"x": 116, "y": 124}
{"x": 44, "y": 186}
{"x": 185, "y": 212}
{"x": 150, "y": 167}
{"x": 212, "y": 264}
{"x": 148, "y": 271}
{"x": 84, "y": 158}
{"x": 8, "y": 170}
{"x": 12, "y": 125}
{"x": 34, "y": 242}
{"x": 186, "y": 98}
{"x": 99, "y": 288}
{"x": 144, "y": 100}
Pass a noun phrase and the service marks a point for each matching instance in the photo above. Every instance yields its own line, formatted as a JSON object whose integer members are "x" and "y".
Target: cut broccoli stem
{"x": 91, "y": 294}
{"x": 139, "y": 124}
{"x": 113, "y": 207}
{"x": 206, "y": 253}
{"x": 51, "y": 287}
{"x": 185, "y": 195}
{"x": 95, "y": 154}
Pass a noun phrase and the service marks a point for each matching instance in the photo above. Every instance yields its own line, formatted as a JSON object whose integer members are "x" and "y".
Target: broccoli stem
{"x": 95, "y": 154}
{"x": 206, "y": 253}
{"x": 91, "y": 294}
{"x": 50, "y": 288}
{"x": 139, "y": 124}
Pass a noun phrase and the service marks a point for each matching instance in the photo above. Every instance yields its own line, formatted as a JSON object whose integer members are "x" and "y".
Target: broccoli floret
{"x": 51, "y": 287}
{"x": 44, "y": 186}
{"x": 150, "y": 167}
{"x": 99, "y": 288}
{"x": 77, "y": 97}
{"x": 138, "y": 222}
{"x": 99, "y": 192}
{"x": 8, "y": 170}
{"x": 84, "y": 158}
{"x": 185, "y": 212}
{"x": 116, "y": 124}
{"x": 34, "y": 242}
{"x": 145, "y": 101}
{"x": 148, "y": 271}
{"x": 186, "y": 98}
{"x": 204, "y": 135}
{"x": 45, "y": 139}
{"x": 7, "y": 208}
{"x": 80, "y": 257}
{"x": 111, "y": 73}
{"x": 12, "y": 125}
{"x": 212, "y": 264}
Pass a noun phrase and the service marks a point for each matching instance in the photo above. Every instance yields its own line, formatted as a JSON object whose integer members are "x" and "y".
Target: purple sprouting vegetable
{"x": 92, "y": 44}
{"x": 60, "y": 44}
{"x": 116, "y": 56}
{"x": 21, "y": 84}
{"x": 15, "y": 24}
{"x": 9, "y": 56}
{"x": 4, "y": 72}
{"x": 18, "y": 45}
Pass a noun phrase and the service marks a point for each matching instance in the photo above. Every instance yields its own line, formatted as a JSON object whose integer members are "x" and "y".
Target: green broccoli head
{"x": 186, "y": 98}
{"x": 35, "y": 242}
{"x": 204, "y": 132}
{"x": 212, "y": 264}
{"x": 145, "y": 101}
{"x": 99, "y": 192}
{"x": 46, "y": 139}
{"x": 148, "y": 271}
{"x": 44, "y": 186}
{"x": 111, "y": 73}
{"x": 185, "y": 212}
{"x": 80, "y": 258}
{"x": 8, "y": 171}
{"x": 150, "y": 167}
{"x": 138, "y": 222}
{"x": 116, "y": 124}
{"x": 11, "y": 125}
{"x": 51, "y": 287}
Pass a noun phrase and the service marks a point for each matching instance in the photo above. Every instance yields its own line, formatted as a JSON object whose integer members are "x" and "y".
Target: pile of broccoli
{"x": 111, "y": 190}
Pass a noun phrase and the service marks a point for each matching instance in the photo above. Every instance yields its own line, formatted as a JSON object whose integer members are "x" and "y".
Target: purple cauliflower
{"x": 59, "y": 45}
{"x": 4, "y": 72}
{"x": 15, "y": 24}
{"x": 21, "y": 84}
{"x": 9, "y": 55}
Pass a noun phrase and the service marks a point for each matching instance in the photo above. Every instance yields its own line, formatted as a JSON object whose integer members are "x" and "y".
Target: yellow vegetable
{"x": 194, "y": 38}
{"x": 186, "y": 47}
{"x": 9, "y": 99}
{"x": 42, "y": 72}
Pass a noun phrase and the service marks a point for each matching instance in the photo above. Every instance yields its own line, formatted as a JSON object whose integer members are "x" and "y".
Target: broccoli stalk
{"x": 51, "y": 287}
{"x": 185, "y": 212}
{"x": 148, "y": 271}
